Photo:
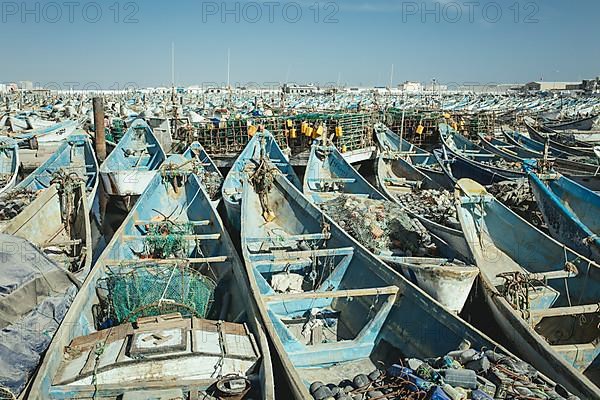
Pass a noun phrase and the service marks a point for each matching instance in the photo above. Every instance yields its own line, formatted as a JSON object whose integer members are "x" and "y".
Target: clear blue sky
{"x": 355, "y": 40}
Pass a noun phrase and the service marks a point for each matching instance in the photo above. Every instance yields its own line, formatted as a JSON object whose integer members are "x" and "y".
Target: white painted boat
{"x": 130, "y": 167}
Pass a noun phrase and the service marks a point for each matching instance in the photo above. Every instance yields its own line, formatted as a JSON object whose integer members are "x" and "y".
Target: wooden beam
{"x": 162, "y": 261}
{"x": 208, "y": 236}
{"x": 290, "y": 255}
{"x": 565, "y": 311}
{"x": 382, "y": 291}
{"x": 204, "y": 222}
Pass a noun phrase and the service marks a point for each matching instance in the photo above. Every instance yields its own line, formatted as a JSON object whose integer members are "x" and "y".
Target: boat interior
{"x": 158, "y": 316}
{"x": 140, "y": 150}
{"x": 334, "y": 307}
{"x": 328, "y": 175}
{"x": 555, "y": 290}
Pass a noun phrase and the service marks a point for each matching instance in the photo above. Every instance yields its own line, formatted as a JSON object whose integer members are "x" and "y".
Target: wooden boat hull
{"x": 577, "y": 151}
{"x": 9, "y": 163}
{"x": 486, "y": 223}
{"x": 582, "y": 124}
{"x": 261, "y": 142}
{"x": 132, "y": 164}
{"x": 568, "y": 208}
{"x": 164, "y": 375}
{"x": 403, "y": 320}
{"x": 450, "y": 285}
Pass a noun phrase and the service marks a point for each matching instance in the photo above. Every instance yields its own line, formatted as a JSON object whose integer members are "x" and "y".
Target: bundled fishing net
{"x": 435, "y": 205}
{"x": 149, "y": 290}
{"x": 380, "y": 226}
{"x": 517, "y": 196}
{"x": 212, "y": 182}
{"x": 15, "y": 201}
{"x": 167, "y": 239}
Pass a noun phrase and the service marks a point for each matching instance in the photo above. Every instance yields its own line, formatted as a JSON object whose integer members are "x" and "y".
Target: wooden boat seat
{"x": 401, "y": 182}
{"x": 280, "y": 255}
{"x": 380, "y": 291}
{"x": 297, "y": 238}
{"x": 332, "y": 180}
{"x": 203, "y": 222}
{"x": 168, "y": 261}
{"x": 207, "y": 236}
{"x": 564, "y": 311}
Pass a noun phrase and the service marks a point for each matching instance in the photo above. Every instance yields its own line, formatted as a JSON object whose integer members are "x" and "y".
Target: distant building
{"x": 3, "y": 88}
{"x": 435, "y": 87}
{"x": 300, "y": 89}
{"x": 591, "y": 85}
{"x": 546, "y": 86}
{"x": 411, "y": 87}
{"x": 25, "y": 85}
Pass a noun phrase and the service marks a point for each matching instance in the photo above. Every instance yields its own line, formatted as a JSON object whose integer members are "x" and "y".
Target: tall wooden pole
{"x": 99, "y": 127}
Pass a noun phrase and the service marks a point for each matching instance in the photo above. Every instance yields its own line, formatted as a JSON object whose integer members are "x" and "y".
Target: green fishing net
{"x": 167, "y": 239}
{"x": 150, "y": 290}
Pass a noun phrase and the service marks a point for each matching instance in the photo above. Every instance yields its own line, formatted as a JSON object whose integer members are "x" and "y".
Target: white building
{"x": 544, "y": 86}
{"x": 25, "y": 85}
{"x": 3, "y": 88}
{"x": 411, "y": 87}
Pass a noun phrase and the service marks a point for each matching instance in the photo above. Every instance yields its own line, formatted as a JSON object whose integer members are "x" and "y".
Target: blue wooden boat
{"x": 584, "y": 170}
{"x": 74, "y": 157}
{"x": 166, "y": 311}
{"x": 573, "y": 150}
{"x": 582, "y": 124}
{"x": 51, "y": 135}
{"x": 331, "y": 308}
{"x": 132, "y": 164}
{"x": 329, "y": 175}
{"x": 543, "y": 295}
{"x": 9, "y": 163}
{"x": 196, "y": 159}
{"x": 400, "y": 154}
{"x": 472, "y": 161}
{"x": 262, "y": 151}
{"x": 571, "y": 211}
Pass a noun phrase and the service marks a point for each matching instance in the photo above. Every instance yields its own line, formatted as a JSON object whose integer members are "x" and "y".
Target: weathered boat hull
{"x": 261, "y": 143}
{"x": 131, "y": 165}
{"x": 171, "y": 373}
{"x": 402, "y": 320}
{"x": 571, "y": 212}
{"x": 534, "y": 325}
{"x": 9, "y": 163}
{"x": 448, "y": 284}
{"x": 582, "y": 124}
{"x": 577, "y": 151}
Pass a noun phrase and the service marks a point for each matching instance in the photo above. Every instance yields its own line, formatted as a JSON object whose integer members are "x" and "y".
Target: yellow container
{"x": 289, "y": 123}
{"x": 309, "y": 131}
{"x": 454, "y": 126}
{"x": 446, "y": 115}
{"x": 338, "y": 131}
{"x": 303, "y": 127}
{"x": 293, "y": 134}
{"x": 319, "y": 130}
{"x": 420, "y": 129}
{"x": 344, "y": 148}
{"x": 252, "y": 130}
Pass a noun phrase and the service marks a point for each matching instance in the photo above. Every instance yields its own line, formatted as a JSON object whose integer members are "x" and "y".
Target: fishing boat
{"x": 331, "y": 308}
{"x": 75, "y": 159}
{"x": 570, "y": 149}
{"x": 472, "y": 161}
{"x": 262, "y": 152}
{"x": 542, "y": 294}
{"x": 329, "y": 175}
{"x": 571, "y": 211}
{"x": 9, "y": 163}
{"x": 196, "y": 159}
{"x": 132, "y": 164}
{"x": 581, "y": 124}
{"x": 166, "y": 311}
{"x": 48, "y": 136}
{"x": 399, "y": 154}
{"x": 583, "y": 173}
